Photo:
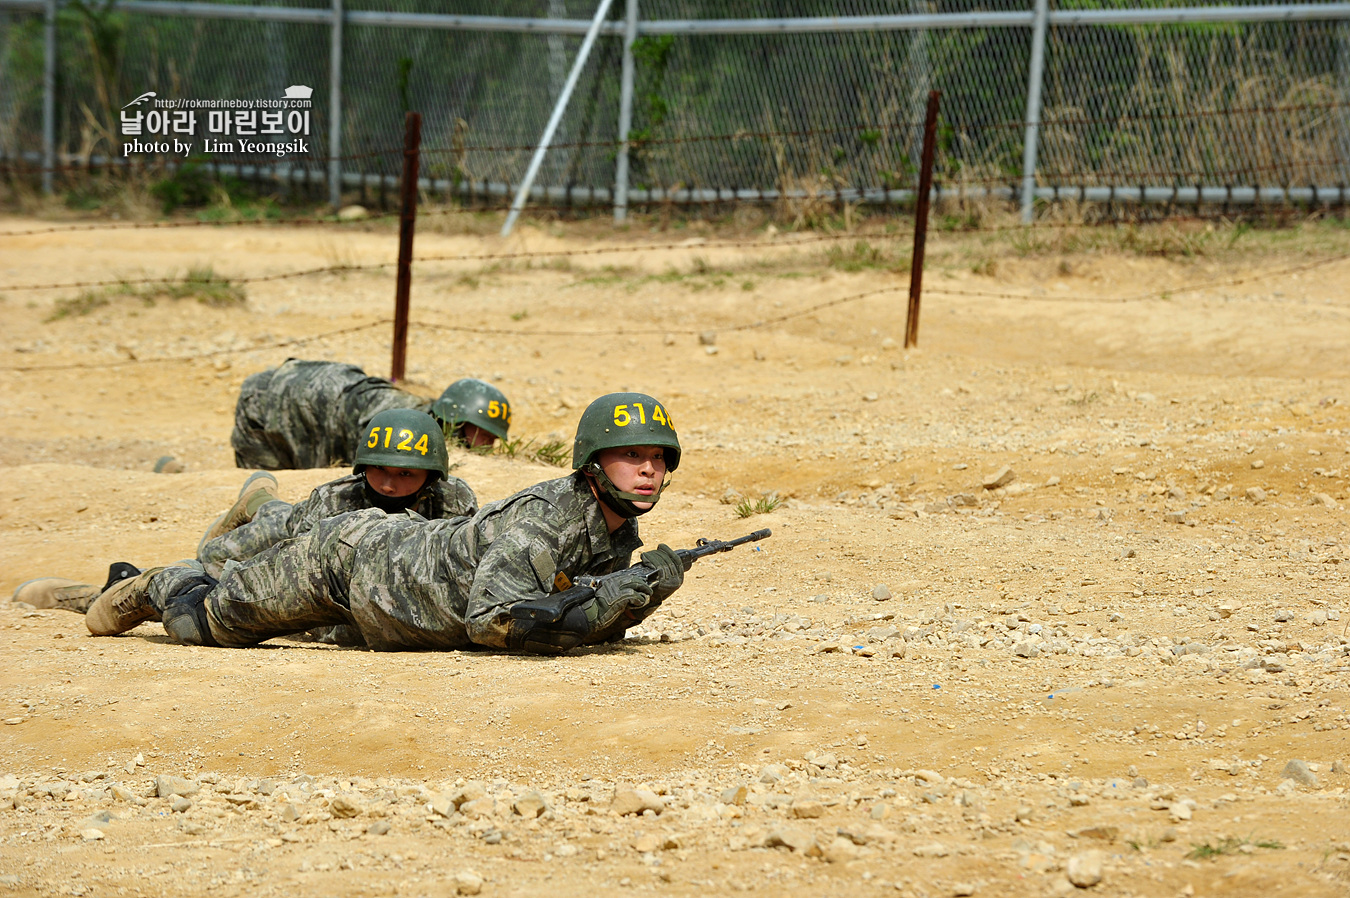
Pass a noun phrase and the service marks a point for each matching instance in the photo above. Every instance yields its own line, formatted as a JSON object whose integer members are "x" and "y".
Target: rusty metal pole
{"x": 921, "y": 219}
{"x": 412, "y": 141}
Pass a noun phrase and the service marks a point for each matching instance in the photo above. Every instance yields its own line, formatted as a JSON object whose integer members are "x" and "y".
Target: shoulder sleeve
{"x": 455, "y": 498}
{"x": 531, "y": 547}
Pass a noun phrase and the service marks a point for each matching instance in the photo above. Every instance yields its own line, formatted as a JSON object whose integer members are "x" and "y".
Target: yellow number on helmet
{"x": 621, "y": 416}
{"x": 422, "y": 445}
{"x": 374, "y": 438}
{"x": 659, "y": 416}
{"x": 404, "y": 441}
{"x": 494, "y": 409}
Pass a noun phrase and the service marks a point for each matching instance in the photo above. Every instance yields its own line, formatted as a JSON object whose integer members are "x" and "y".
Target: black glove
{"x": 670, "y": 567}
{"x": 618, "y": 592}
{"x": 601, "y": 614}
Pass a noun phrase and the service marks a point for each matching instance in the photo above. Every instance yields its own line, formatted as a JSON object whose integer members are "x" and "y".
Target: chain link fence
{"x": 1208, "y": 103}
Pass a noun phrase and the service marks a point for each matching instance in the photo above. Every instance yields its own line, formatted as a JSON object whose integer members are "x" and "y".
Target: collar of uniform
{"x": 605, "y": 545}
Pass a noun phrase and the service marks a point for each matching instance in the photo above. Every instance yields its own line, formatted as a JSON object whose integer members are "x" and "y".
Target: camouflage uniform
{"x": 309, "y": 414}
{"x": 276, "y": 521}
{"x": 407, "y": 583}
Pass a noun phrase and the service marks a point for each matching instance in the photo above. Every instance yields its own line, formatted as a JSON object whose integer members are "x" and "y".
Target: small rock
{"x": 707, "y": 338}
{"x": 479, "y": 807}
{"x": 346, "y": 804}
{"x": 880, "y": 811}
{"x": 179, "y": 804}
{"x": 1174, "y": 517}
{"x": 378, "y": 828}
{"x": 166, "y": 786}
{"x": 807, "y": 809}
{"x": 735, "y": 795}
{"x": 1323, "y": 500}
{"x": 772, "y": 773}
{"x": 468, "y": 883}
{"x": 1100, "y": 833}
{"x": 443, "y": 805}
{"x": 167, "y": 464}
{"x": 634, "y": 801}
{"x": 1180, "y": 811}
{"x": 962, "y": 889}
{"x": 840, "y": 851}
{"x": 1256, "y": 494}
{"x": 668, "y": 340}
{"x": 646, "y": 843}
{"x": 530, "y": 805}
{"x": 1339, "y": 767}
{"x": 1299, "y": 772}
{"x": 1084, "y": 869}
{"x": 352, "y": 213}
{"x": 932, "y": 849}
{"x": 1026, "y": 650}
{"x": 1002, "y": 477}
{"x": 120, "y": 792}
{"x": 91, "y": 834}
{"x": 1258, "y": 465}
{"x": 881, "y": 593}
{"x": 792, "y": 837}
{"x": 289, "y": 813}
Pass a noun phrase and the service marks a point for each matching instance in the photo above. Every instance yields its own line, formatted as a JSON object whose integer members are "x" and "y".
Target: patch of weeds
{"x": 555, "y": 453}
{"x": 1085, "y": 399}
{"x": 861, "y": 256}
{"x": 467, "y": 280}
{"x": 552, "y": 452}
{"x": 201, "y": 284}
{"x": 1203, "y": 851}
{"x": 747, "y": 286}
{"x": 763, "y": 505}
{"x": 521, "y": 315}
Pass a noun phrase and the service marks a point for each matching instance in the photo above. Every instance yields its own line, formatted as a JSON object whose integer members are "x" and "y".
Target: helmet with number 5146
{"x": 402, "y": 438}
{"x": 623, "y": 419}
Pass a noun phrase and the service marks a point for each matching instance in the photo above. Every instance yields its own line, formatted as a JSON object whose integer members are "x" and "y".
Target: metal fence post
{"x": 1033, "y": 109}
{"x": 407, "y": 225}
{"x": 625, "y": 113}
{"x": 335, "y": 108}
{"x": 921, "y": 219}
{"x": 559, "y": 108}
{"x": 49, "y": 95}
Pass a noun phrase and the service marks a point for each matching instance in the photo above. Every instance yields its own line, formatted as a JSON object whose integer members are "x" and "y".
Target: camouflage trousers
{"x": 325, "y": 577}
{"x": 268, "y": 527}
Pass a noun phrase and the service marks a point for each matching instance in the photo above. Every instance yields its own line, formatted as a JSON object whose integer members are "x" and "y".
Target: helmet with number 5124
{"x": 402, "y": 438}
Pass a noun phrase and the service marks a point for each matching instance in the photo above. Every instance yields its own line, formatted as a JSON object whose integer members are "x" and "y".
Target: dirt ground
{"x": 1092, "y": 676}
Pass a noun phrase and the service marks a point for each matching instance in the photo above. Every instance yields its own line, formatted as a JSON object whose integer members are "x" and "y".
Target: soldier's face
{"x": 475, "y": 436}
{"x": 395, "y": 482}
{"x": 635, "y": 469}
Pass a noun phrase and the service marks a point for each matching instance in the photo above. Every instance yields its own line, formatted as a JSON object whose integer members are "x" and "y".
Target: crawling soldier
{"x": 309, "y": 414}
{"x": 401, "y": 465}
{"x": 408, "y": 583}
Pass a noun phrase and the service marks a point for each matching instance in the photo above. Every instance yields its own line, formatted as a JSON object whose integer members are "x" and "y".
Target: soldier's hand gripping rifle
{"x": 592, "y": 606}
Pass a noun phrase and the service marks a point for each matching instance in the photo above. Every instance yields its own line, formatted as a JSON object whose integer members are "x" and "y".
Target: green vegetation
{"x": 550, "y": 452}
{"x": 1207, "y": 851}
{"x": 763, "y": 505}
{"x": 201, "y": 284}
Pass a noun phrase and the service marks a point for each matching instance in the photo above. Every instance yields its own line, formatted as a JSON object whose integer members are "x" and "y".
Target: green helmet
{"x": 402, "y": 438}
{"x": 472, "y": 401}
{"x": 623, "y": 419}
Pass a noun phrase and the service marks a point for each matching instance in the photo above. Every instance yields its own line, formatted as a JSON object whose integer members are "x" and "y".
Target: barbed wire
{"x": 486, "y": 330}
{"x": 461, "y": 257}
{"x": 208, "y": 354}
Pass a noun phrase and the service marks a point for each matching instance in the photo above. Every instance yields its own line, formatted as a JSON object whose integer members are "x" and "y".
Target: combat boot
{"x": 69, "y": 595}
{"x": 123, "y": 606}
{"x": 257, "y": 491}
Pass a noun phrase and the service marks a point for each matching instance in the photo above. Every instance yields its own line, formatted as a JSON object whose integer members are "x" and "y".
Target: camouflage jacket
{"x": 445, "y": 584}
{"x": 447, "y": 498}
{"x": 309, "y": 414}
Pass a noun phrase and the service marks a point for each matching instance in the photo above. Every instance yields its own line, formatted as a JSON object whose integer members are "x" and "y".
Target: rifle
{"x": 552, "y": 609}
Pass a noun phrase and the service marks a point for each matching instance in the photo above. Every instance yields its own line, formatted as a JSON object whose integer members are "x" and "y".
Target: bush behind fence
{"x": 1227, "y": 103}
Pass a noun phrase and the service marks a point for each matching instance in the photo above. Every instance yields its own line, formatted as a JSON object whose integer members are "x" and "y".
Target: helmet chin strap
{"x": 617, "y": 500}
